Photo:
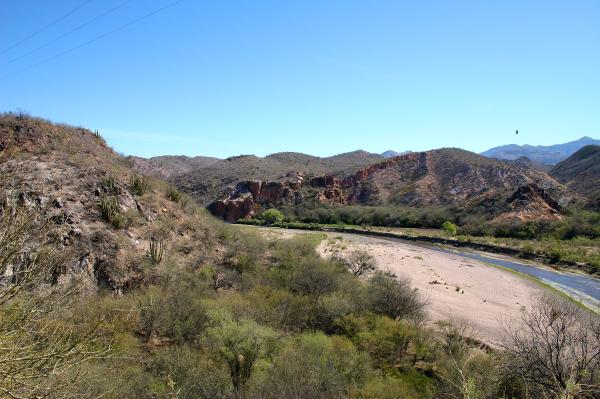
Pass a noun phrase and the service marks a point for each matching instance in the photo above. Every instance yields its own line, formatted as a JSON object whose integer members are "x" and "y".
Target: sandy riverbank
{"x": 455, "y": 287}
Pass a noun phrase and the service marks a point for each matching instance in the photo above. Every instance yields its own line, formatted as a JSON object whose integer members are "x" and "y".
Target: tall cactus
{"x": 155, "y": 250}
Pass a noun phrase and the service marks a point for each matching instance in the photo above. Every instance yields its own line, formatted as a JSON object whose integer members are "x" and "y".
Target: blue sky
{"x": 321, "y": 77}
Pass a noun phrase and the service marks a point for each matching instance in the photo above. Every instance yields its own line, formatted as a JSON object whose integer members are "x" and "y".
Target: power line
{"x": 37, "y": 32}
{"x": 83, "y": 25}
{"x": 95, "y": 39}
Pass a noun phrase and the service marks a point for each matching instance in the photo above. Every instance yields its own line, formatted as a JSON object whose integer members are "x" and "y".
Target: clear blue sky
{"x": 322, "y": 77}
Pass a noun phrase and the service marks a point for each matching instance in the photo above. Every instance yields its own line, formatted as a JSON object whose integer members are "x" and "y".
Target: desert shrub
{"x": 271, "y": 216}
{"x": 358, "y": 262}
{"x": 463, "y": 369}
{"x": 183, "y": 372}
{"x": 393, "y": 387}
{"x": 180, "y": 315}
{"x": 314, "y": 277}
{"x": 139, "y": 184}
{"x": 394, "y": 297}
{"x": 554, "y": 350}
{"x": 312, "y": 365}
{"x": 240, "y": 344}
{"x": 173, "y": 194}
{"x": 450, "y": 228}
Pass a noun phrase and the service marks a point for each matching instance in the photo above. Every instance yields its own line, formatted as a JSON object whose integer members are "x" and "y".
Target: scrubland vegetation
{"x": 274, "y": 320}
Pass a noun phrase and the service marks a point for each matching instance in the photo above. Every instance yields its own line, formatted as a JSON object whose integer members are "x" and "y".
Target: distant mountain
{"x": 391, "y": 153}
{"x": 581, "y": 172}
{"x": 549, "y": 155}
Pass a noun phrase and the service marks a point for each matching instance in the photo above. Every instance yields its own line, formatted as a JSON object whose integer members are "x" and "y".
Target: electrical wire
{"x": 83, "y": 25}
{"x": 54, "y": 22}
{"x": 95, "y": 39}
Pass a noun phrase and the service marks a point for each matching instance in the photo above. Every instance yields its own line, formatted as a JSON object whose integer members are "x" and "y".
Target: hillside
{"x": 548, "y": 155}
{"x": 208, "y": 183}
{"x": 439, "y": 178}
{"x": 102, "y": 215}
{"x": 581, "y": 172}
{"x": 166, "y": 166}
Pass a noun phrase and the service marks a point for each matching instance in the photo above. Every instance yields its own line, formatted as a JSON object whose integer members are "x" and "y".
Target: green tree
{"x": 315, "y": 366}
{"x": 271, "y": 216}
{"x": 450, "y": 228}
{"x": 239, "y": 343}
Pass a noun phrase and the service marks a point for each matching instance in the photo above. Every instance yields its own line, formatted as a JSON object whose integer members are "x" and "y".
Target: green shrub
{"x": 450, "y": 228}
{"x": 394, "y": 297}
{"x": 173, "y": 194}
{"x": 313, "y": 365}
{"x": 272, "y": 216}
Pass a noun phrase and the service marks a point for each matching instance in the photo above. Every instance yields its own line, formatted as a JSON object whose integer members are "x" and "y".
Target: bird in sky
{"x": 517, "y": 132}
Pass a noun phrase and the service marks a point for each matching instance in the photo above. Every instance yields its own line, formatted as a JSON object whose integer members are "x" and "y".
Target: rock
{"x": 75, "y": 232}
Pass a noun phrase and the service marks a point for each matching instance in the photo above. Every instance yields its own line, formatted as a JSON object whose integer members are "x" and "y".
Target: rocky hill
{"x": 581, "y": 172}
{"x": 446, "y": 177}
{"x": 548, "y": 155}
{"x": 211, "y": 182}
{"x": 101, "y": 215}
{"x": 166, "y": 166}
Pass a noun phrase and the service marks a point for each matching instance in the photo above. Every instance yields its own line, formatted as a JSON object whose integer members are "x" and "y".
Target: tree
{"x": 239, "y": 343}
{"x": 450, "y": 228}
{"x": 465, "y": 371}
{"x": 555, "y": 350}
{"x": 271, "y": 216}
{"x": 315, "y": 366}
{"x": 360, "y": 263}
{"x": 394, "y": 297}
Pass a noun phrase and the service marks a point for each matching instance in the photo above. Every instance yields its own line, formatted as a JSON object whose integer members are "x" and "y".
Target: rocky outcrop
{"x": 247, "y": 196}
{"x": 530, "y": 202}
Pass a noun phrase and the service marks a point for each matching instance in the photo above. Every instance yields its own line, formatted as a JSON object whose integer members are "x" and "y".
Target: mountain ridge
{"x": 542, "y": 154}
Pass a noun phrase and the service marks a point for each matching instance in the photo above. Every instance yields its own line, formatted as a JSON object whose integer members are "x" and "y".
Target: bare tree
{"x": 554, "y": 351}
{"x": 466, "y": 371}
{"x": 360, "y": 262}
{"x": 41, "y": 353}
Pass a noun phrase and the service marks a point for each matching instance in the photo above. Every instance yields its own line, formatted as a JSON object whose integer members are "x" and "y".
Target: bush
{"x": 173, "y": 194}
{"x": 450, "y": 228}
{"x": 394, "y": 297}
{"x": 315, "y": 366}
{"x": 272, "y": 216}
{"x": 359, "y": 263}
{"x": 239, "y": 344}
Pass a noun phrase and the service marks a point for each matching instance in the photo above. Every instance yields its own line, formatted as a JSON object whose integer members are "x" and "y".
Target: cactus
{"x": 110, "y": 185}
{"x": 109, "y": 206}
{"x": 173, "y": 194}
{"x": 139, "y": 184}
{"x": 156, "y": 250}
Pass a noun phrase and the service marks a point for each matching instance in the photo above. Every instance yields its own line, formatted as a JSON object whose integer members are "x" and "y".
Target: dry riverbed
{"x": 455, "y": 287}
